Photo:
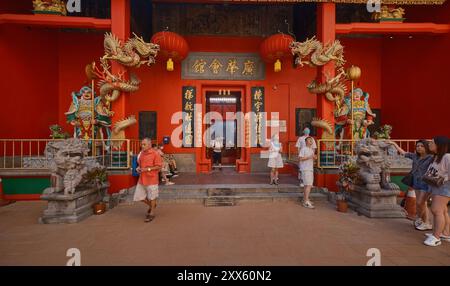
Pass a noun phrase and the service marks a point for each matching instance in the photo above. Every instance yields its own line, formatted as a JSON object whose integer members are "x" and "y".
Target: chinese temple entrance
{"x": 219, "y": 103}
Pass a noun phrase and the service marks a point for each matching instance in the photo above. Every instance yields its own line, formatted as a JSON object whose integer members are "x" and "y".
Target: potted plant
{"x": 57, "y": 132}
{"x": 348, "y": 174}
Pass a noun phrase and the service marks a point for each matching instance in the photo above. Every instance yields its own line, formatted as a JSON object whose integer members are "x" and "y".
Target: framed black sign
{"x": 147, "y": 125}
{"x": 188, "y": 103}
{"x": 258, "y": 121}
{"x": 303, "y": 118}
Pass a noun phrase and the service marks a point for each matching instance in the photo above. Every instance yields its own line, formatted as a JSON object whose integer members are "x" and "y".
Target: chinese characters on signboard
{"x": 188, "y": 101}
{"x": 223, "y": 66}
{"x": 258, "y": 121}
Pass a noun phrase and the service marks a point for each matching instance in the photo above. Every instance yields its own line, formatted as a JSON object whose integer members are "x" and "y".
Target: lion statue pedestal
{"x": 379, "y": 204}
{"x": 71, "y": 208}
{"x": 374, "y": 195}
{"x": 78, "y": 182}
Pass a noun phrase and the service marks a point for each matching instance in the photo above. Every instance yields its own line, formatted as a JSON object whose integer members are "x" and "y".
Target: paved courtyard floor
{"x": 260, "y": 233}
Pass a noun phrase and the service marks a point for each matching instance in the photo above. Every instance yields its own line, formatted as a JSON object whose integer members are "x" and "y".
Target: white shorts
{"x": 307, "y": 177}
{"x": 150, "y": 192}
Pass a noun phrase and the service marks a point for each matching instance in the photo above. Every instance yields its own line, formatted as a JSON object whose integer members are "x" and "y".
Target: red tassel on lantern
{"x": 275, "y": 48}
{"x": 172, "y": 46}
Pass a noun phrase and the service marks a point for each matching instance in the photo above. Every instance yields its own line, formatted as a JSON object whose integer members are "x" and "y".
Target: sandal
{"x": 149, "y": 218}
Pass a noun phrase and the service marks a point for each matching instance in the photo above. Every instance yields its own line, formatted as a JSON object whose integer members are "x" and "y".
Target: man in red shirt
{"x": 150, "y": 163}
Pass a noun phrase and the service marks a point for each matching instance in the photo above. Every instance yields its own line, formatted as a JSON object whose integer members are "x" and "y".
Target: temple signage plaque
{"x": 258, "y": 117}
{"x": 223, "y": 66}
{"x": 188, "y": 102}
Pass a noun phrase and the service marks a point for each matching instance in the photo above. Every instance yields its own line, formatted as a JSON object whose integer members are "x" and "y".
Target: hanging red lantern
{"x": 275, "y": 48}
{"x": 172, "y": 46}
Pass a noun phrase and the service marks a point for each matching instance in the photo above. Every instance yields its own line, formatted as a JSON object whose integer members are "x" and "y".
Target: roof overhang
{"x": 388, "y": 2}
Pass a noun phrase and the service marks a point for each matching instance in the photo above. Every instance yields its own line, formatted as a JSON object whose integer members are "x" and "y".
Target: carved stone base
{"x": 376, "y": 204}
{"x": 71, "y": 208}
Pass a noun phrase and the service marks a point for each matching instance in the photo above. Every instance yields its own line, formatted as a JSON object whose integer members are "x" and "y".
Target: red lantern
{"x": 172, "y": 46}
{"x": 275, "y": 48}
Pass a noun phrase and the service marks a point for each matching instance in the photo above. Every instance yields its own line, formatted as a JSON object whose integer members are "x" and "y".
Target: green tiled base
{"x": 24, "y": 186}
{"x": 398, "y": 180}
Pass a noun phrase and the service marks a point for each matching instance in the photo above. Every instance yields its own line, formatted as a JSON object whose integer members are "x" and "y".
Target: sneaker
{"x": 443, "y": 237}
{"x": 175, "y": 175}
{"x": 308, "y": 205}
{"x": 170, "y": 183}
{"x": 432, "y": 241}
{"x": 424, "y": 226}
{"x": 418, "y": 222}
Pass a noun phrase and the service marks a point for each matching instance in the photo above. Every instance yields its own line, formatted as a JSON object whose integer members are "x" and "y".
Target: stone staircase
{"x": 225, "y": 194}
{"x": 220, "y": 197}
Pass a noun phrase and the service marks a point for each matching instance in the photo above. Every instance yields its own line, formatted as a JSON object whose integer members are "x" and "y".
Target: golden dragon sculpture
{"x": 334, "y": 90}
{"x": 328, "y": 130}
{"x": 133, "y": 53}
{"x": 118, "y": 131}
{"x": 318, "y": 54}
{"x": 315, "y": 54}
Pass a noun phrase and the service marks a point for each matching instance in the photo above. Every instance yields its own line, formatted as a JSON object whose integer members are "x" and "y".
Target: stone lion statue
{"x": 71, "y": 168}
{"x": 374, "y": 165}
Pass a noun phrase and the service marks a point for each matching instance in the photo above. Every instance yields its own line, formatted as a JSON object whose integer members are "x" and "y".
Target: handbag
{"x": 409, "y": 179}
{"x": 433, "y": 181}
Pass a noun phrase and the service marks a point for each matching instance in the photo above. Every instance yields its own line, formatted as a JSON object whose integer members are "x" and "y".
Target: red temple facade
{"x": 404, "y": 68}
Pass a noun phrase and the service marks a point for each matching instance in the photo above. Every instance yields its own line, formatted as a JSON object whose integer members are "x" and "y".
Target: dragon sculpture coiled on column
{"x": 133, "y": 53}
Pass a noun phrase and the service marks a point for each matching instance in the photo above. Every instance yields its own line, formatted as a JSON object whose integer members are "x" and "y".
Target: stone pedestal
{"x": 71, "y": 208}
{"x": 375, "y": 204}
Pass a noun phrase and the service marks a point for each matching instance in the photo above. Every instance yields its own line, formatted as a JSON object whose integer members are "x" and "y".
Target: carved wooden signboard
{"x": 188, "y": 103}
{"x": 258, "y": 119}
{"x": 223, "y": 66}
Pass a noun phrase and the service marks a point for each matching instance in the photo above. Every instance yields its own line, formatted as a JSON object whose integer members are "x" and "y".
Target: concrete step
{"x": 241, "y": 188}
{"x": 200, "y": 194}
{"x": 219, "y": 201}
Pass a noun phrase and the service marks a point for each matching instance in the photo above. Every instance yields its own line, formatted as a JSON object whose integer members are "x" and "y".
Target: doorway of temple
{"x": 222, "y": 127}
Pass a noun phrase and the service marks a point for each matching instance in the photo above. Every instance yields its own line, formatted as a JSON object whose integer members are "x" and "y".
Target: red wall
{"x": 366, "y": 54}
{"x": 75, "y": 51}
{"x": 161, "y": 90}
{"x": 41, "y": 69}
{"x": 416, "y": 98}
{"x": 392, "y": 72}
{"x": 28, "y": 82}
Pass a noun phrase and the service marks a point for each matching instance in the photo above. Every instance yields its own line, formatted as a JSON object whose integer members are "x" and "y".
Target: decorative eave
{"x": 388, "y": 2}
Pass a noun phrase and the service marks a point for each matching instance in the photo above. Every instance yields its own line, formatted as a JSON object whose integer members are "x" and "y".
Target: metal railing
{"x": 333, "y": 152}
{"x": 115, "y": 154}
{"x": 32, "y": 154}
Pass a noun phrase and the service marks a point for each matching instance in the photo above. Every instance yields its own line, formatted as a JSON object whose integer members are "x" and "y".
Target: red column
{"x": 120, "y": 26}
{"x": 326, "y": 21}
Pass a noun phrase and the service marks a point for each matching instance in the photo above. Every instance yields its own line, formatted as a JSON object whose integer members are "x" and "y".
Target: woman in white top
{"x": 439, "y": 170}
{"x": 306, "y": 158}
{"x": 275, "y": 160}
{"x": 217, "y": 146}
{"x": 300, "y": 144}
